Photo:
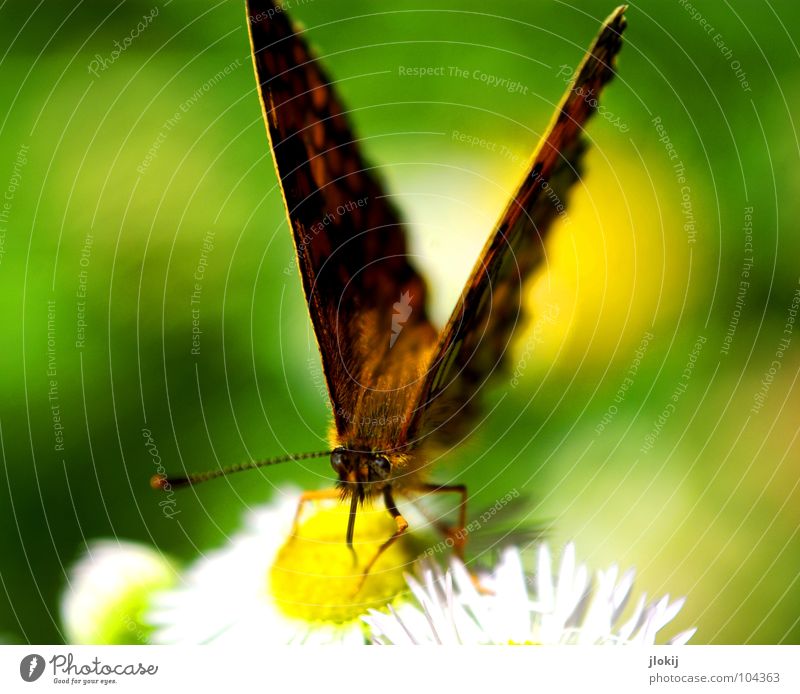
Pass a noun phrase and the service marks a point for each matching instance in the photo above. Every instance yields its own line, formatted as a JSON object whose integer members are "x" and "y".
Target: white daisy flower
{"x": 566, "y": 609}
{"x": 270, "y": 587}
{"x": 108, "y": 591}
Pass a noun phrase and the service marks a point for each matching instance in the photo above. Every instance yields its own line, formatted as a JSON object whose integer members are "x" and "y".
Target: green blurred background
{"x": 709, "y": 510}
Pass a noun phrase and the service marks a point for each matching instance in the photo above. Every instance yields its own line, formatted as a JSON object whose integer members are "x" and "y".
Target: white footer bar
{"x": 385, "y": 670}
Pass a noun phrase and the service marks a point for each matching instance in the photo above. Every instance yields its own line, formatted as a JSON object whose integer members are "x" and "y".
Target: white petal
{"x": 621, "y": 595}
{"x": 545, "y": 592}
{"x": 682, "y": 638}
{"x": 670, "y": 613}
{"x": 511, "y": 599}
{"x": 635, "y": 620}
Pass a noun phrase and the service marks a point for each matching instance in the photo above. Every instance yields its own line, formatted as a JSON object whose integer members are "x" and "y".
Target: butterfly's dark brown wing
{"x": 476, "y": 338}
{"x": 351, "y": 249}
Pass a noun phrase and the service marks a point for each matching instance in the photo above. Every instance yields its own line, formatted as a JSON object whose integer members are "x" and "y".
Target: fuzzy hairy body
{"x": 382, "y": 412}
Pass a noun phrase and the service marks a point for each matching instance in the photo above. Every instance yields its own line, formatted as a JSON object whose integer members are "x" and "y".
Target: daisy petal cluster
{"x": 279, "y": 582}
{"x": 272, "y": 585}
{"x": 454, "y": 607}
{"x": 222, "y": 596}
{"x": 108, "y": 592}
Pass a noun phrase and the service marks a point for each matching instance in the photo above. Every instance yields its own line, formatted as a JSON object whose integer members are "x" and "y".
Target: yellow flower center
{"x": 316, "y": 578}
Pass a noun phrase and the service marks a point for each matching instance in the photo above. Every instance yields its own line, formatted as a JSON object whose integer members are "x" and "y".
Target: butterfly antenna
{"x": 169, "y": 482}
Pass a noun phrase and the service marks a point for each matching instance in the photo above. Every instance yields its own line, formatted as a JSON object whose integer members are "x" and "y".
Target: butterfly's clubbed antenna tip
{"x": 162, "y": 482}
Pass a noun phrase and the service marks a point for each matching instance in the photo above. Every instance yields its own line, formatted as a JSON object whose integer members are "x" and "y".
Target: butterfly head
{"x": 361, "y": 473}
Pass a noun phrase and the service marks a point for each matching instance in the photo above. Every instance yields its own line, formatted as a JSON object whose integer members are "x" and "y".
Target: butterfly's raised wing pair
{"x": 399, "y": 389}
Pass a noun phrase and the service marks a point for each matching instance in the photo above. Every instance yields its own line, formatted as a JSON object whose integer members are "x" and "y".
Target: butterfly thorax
{"x": 372, "y": 452}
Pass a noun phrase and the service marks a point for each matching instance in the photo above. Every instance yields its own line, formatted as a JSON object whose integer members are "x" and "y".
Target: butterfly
{"x": 400, "y": 390}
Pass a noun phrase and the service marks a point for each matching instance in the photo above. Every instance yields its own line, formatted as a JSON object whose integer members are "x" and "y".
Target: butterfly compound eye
{"x": 337, "y": 459}
{"x": 383, "y": 464}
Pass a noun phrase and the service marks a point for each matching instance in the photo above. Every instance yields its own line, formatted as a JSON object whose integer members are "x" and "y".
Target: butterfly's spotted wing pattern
{"x": 351, "y": 248}
{"x": 476, "y": 338}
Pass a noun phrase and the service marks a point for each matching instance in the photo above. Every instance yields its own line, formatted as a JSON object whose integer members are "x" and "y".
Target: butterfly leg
{"x": 456, "y": 533}
{"x": 402, "y": 526}
{"x": 310, "y": 496}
